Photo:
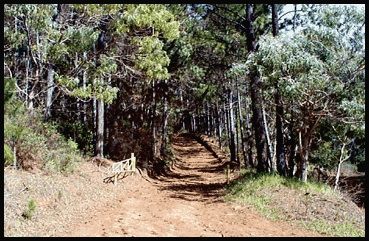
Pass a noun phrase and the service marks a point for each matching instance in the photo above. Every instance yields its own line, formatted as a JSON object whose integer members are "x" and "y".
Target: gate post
{"x": 133, "y": 161}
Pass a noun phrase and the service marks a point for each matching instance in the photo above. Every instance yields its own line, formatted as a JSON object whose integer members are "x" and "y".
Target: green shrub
{"x": 13, "y": 129}
{"x": 30, "y": 210}
{"x": 80, "y": 133}
{"x": 8, "y": 155}
{"x": 9, "y": 88}
{"x": 64, "y": 157}
{"x": 38, "y": 143}
{"x": 326, "y": 155}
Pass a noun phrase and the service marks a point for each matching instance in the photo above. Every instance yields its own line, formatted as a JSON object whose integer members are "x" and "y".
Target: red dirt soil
{"x": 186, "y": 202}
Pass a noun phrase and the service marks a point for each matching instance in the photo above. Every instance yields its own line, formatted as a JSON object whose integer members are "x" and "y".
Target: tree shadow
{"x": 200, "y": 192}
{"x": 205, "y": 144}
{"x": 190, "y": 152}
{"x": 193, "y": 186}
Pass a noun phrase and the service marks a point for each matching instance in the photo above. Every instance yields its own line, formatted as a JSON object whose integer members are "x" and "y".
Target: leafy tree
{"x": 303, "y": 64}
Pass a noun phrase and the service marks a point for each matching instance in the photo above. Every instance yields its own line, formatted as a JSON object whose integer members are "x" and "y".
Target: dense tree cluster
{"x": 276, "y": 93}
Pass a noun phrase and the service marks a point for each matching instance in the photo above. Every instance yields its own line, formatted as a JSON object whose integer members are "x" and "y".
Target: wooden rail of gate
{"x": 128, "y": 165}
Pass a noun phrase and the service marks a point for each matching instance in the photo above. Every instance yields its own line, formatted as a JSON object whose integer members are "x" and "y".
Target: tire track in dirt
{"x": 186, "y": 202}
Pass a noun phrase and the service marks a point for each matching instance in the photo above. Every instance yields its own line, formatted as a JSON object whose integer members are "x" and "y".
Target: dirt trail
{"x": 187, "y": 202}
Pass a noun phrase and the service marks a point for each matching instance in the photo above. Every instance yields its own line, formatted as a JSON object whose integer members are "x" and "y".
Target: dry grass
{"x": 60, "y": 200}
{"x": 313, "y": 205}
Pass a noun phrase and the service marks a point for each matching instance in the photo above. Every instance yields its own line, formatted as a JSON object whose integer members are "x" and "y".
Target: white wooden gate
{"x": 127, "y": 165}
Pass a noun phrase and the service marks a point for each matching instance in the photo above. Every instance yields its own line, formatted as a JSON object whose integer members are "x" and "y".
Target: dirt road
{"x": 187, "y": 202}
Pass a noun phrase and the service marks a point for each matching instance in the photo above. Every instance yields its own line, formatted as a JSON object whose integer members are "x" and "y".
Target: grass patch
{"x": 261, "y": 204}
{"x": 249, "y": 190}
{"x": 345, "y": 229}
{"x": 310, "y": 186}
{"x": 312, "y": 205}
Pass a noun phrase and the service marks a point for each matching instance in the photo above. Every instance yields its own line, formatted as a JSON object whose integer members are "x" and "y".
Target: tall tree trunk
{"x": 37, "y": 76}
{"x": 304, "y": 143}
{"x": 49, "y": 92}
{"x": 78, "y": 102}
{"x": 108, "y": 122}
{"x": 198, "y": 121}
{"x": 271, "y": 167}
{"x": 304, "y": 162}
{"x": 274, "y": 20}
{"x": 16, "y": 64}
{"x": 213, "y": 121}
{"x": 250, "y": 139}
{"x": 281, "y": 160}
{"x": 84, "y": 82}
{"x": 219, "y": 124}
{"x": 306, "y": 131}
{"x": 32, "y": 93}
{"x": 232, "y": 147}
{"x": 94, "y": 106}
{"x": 208, "y": 125}
{"x": 237, "y": 128}
{"x": 15, "y": 61}
{"x": 239, "y": 100}
{"x": 165, "y": 124}
{"x": 184, "y": 115}
{"x": 153, "y": 117}
{"x": 107, "y": 126}
{"x": 292, "y": 147}
{"x": 100, "y": 129}
{"x": 204, "y": 120}
{"x": 194, "y": 127}
{"x": 188, "y": 117}
{"x": 256, "y": 98}
{"x": 27, "y": 76}
{"x": 341, "y": 160}
{"x": 226, "y": 118}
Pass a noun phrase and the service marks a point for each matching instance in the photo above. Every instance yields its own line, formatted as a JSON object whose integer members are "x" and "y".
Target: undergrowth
{"x": 37, "y": 143}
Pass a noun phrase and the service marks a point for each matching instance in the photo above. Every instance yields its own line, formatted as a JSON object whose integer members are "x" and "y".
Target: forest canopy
{"x": 279, "y": 92}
